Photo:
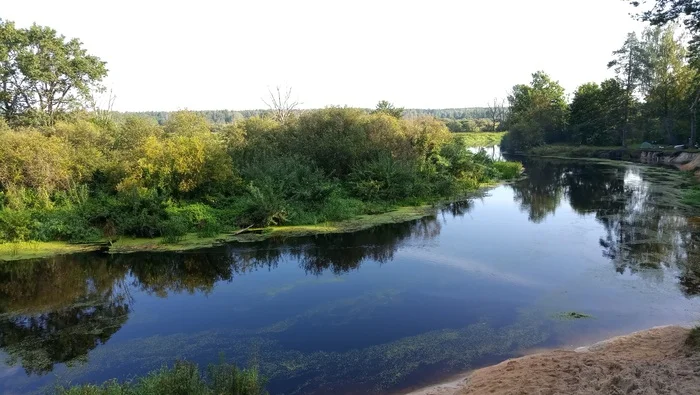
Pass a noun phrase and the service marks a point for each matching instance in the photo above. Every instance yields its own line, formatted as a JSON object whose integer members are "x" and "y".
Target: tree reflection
{"x": 642, "y": 229}
{"x": 57, "y": 310}
{"x": 541, "y": 192}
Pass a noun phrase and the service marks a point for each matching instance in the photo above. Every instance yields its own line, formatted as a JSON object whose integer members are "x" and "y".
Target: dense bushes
{"x": 88, "y": 179}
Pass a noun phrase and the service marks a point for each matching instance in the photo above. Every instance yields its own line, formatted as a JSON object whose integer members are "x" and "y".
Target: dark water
{"x": 378, "y": 311}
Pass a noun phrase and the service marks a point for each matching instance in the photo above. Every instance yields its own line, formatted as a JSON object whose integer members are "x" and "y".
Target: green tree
{"x": 43, "y": 74}
{"x": 587, "y": 114}
{"x": 538, "y": 113}
{"x": 665, "y": 85}
{"x": 613, "y": 100}
{"x": 384, "y": 107}
{"x": 631, "y": 65}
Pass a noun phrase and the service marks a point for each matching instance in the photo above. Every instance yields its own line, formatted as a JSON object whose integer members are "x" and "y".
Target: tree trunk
{"x": 693, "y": 121}
{"x": 667, "y": 128}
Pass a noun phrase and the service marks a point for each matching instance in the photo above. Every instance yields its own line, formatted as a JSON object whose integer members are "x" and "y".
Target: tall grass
{"x": 184, "y": 378}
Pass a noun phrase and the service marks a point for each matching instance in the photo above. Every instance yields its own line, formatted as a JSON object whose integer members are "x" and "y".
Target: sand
{"x": 655, "y": 361}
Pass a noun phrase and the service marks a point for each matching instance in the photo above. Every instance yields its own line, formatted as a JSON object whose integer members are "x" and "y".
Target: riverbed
{"x": 574, "y": 253}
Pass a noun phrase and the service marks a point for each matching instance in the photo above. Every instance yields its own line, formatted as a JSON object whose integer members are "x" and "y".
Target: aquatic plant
{"x": 183, "y": 378}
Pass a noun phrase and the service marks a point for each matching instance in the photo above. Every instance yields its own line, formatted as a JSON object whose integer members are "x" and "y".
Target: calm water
{"x": 377, "y": 311}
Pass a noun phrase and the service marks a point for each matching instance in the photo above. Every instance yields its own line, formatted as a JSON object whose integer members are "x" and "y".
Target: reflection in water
{"x": 646, "y": 226}
{"x": 316, "y": 323}
{"x": 55, "y": 311}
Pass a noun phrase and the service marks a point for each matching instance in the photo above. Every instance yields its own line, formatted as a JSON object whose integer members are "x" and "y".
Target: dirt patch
{"x": 655, "y": 361}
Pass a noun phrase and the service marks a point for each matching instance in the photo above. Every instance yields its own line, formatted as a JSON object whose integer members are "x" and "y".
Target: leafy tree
{"x": 613, "y": 100}
{"x": 384, "y": 107}
{"x": 666, "y": 85}
{"x": 631, "y": 64}
{"x": 538, "y": 113}
{"x": 665, "y": 11}
{"x": 587, "y": 114}
{"x": 43, "y": 74}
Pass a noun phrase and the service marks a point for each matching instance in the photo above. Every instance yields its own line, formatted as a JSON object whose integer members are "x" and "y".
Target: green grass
{"x": 40, "y": 249}
{"x": 481, "y": 139}
{"x": 184, "y": 378}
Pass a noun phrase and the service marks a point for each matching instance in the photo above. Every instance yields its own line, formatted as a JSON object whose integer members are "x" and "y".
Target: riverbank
{"x": 669, "y": 156}
{"x": 658, "y": 360}
{"x": 191, "y": 241}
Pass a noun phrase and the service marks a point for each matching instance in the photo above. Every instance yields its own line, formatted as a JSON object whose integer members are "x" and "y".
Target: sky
{"x": 199, "y": 55}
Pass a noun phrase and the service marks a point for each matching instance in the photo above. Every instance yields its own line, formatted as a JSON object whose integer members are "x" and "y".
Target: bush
{"x": 174, "y": 229}
{"x": 508, "y": 170}
{"x": 385, "y": 179}
{"x": 15, "y": 225}
{"x": 199, "y": 217}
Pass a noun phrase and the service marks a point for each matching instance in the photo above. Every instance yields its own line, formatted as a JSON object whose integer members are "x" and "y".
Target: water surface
{"x": 377, "y": 311}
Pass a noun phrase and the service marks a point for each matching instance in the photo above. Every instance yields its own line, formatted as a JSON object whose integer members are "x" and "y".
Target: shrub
{"x": 385, "y": 179}
{"x": 174, "y": 229}
{"x": 15, "y": 225}
{"x": 508, "y": 170}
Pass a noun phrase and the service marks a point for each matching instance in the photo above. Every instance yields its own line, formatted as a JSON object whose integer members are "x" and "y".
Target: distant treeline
{"x": 230, "y": 116}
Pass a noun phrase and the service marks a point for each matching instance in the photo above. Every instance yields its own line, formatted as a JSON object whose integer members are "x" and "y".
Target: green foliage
{"x": 538, "y": 113}
{"x": 384, "y": 107}
{"x": 184, "y": 378}
{"x": 82, "y": 180}
{"x": 482, "y": 139}
{"x": 653, "y": 97}
{"x": 509, "y": 170}
{"x": 385, "y": 179}
{"x": 43, "y": 75}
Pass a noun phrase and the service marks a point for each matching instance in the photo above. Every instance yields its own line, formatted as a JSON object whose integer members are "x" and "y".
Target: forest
{"x": 653, "y": 98}
{"x": 72, "y": 172}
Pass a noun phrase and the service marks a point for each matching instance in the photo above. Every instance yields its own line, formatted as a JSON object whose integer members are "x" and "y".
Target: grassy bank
{"x": 191, "y": 241}
{"x": 481, "y": 139}
{"x": 41, "y": 249}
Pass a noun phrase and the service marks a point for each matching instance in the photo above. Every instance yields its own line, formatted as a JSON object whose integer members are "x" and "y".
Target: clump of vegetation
{"x": 693, "y": 339}
{"x": 572, "y": 315}
{"x": 184, "y": 378}
{"x": 482, "y": 139}
{"x": 508, "y": 170}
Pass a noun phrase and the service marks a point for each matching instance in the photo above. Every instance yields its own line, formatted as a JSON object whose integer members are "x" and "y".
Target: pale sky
{"x": 169, "y": 55}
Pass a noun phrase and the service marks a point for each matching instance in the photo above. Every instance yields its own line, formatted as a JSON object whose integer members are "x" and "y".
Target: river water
{"x": 391, "y": 308}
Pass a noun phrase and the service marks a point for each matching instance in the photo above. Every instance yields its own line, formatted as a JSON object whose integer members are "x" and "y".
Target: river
{"x": 383, "y": 310}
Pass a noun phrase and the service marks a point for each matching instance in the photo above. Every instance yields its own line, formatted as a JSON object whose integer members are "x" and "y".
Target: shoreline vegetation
{"x": 74, "y": 177}
{"x": 191, "y": 241}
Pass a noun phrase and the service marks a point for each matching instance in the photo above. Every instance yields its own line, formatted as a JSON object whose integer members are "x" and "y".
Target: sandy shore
{"x": 654, "y": 361}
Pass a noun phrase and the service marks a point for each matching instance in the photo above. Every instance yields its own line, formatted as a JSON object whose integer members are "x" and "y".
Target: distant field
{"x": 482, "y": 139}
